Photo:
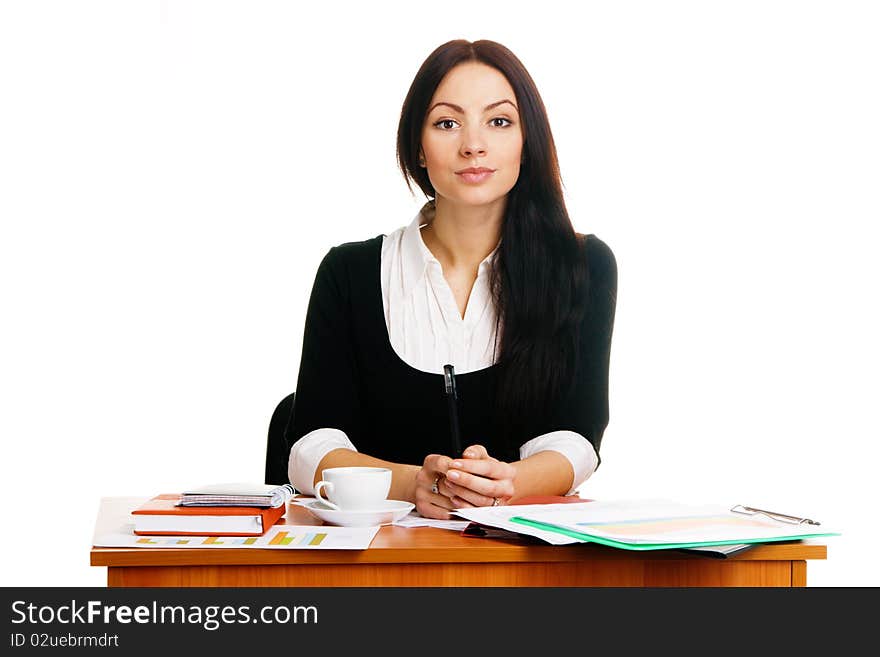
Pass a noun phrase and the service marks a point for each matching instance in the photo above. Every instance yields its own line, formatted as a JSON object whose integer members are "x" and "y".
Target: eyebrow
{"x": 461, "y": 111}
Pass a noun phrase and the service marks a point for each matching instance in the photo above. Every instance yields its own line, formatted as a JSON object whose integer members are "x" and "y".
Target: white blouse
{"x": 427, "y": 331}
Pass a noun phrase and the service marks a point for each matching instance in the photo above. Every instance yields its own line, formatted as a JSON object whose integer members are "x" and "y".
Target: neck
{"x": 461, "y": 236}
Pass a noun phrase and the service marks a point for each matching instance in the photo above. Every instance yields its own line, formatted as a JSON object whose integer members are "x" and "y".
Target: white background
{"x": 171, "y": 174}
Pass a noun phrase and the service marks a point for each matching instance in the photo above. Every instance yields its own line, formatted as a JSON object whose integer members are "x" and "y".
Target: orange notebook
{"x": 162, "y": 516}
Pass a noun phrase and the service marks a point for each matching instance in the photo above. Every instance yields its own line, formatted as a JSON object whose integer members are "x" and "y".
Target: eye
{"x": 501, "y": 118}
{"x": 442, "y": 123}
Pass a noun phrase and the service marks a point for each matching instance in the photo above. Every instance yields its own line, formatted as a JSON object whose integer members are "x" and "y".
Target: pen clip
{"x": 781, "y": 517}
{"x": 449, "y": 379}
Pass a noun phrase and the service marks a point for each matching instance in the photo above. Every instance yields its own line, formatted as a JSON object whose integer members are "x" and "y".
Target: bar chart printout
{"x": 283, "y": 537}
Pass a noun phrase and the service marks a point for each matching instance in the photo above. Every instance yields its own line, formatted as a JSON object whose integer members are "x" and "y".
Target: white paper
{"x": 412, "y": 519}
{"x": 279, "y": 537}
{"x": 499, "y": 516}
{"x": 416, "y": 520}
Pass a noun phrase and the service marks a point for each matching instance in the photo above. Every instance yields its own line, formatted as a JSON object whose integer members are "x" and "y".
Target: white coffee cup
{"x": 354, "y": 488}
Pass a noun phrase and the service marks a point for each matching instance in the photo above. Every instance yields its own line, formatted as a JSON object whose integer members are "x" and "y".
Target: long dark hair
{"x": 539, "y": 276}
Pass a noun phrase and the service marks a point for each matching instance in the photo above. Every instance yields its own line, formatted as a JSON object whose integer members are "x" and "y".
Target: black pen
{"x": 452, "y": 401}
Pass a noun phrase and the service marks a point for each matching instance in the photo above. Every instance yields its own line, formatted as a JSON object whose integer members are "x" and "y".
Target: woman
{"x": 490, "y": 277}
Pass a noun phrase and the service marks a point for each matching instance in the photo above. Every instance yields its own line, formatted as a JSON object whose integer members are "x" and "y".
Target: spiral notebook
{"x": 238, "y": 494}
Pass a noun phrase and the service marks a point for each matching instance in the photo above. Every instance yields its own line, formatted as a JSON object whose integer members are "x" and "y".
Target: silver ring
{"x": 495, "y": 501}
{"x": 435, "y": 487}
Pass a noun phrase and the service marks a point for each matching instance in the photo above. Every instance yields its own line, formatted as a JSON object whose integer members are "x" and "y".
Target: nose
{"x": 473, "y": 144}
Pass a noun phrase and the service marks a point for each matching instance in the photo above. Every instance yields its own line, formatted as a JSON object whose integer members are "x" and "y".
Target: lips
{"x": 474, "y": 174}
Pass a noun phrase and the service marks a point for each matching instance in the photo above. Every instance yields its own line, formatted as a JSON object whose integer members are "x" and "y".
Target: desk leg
{"x": 798, "y": 573}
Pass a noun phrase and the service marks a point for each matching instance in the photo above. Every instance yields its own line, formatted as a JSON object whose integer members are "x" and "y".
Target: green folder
{"x": 581, "y": 536}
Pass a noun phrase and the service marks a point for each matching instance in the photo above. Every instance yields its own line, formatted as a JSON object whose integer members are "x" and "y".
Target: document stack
{"x": 648, "y": 524}
{"x": 215, "y": 510}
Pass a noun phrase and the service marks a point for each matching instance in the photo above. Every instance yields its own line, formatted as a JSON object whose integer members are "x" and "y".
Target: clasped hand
{"x": 476, "y": 479}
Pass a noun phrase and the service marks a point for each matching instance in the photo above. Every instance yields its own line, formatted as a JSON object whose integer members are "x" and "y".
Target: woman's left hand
{"x": 478, "y": 479}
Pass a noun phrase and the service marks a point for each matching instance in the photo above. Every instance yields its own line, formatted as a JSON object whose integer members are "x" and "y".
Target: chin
{"x": 479, "y": 196}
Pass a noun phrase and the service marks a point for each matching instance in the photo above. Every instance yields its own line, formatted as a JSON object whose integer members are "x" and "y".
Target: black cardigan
{"x": 351, "y": 378}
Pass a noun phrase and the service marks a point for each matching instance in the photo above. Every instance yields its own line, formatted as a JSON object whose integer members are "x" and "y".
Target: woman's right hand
{"x": 431, "y": 478}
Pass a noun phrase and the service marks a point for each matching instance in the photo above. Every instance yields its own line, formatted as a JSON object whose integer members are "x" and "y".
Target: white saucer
{"x": 384, "y": 514}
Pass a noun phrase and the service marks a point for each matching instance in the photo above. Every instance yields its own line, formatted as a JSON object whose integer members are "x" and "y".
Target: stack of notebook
{"x": 216, "y": 510}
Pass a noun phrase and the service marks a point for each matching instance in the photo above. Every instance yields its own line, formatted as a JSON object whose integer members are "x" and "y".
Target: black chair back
{"x": 277, "y": 449}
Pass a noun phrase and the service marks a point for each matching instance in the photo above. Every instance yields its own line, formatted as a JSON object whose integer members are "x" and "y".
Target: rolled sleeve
{"x": 571, "y": 445}
{"x": 306, "y": 455}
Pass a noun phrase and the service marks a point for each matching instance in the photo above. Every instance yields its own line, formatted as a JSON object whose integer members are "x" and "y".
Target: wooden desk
{"x": 427, "y": 556}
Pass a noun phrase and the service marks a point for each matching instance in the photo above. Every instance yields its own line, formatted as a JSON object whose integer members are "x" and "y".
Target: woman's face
{"x": 472, "y": 122}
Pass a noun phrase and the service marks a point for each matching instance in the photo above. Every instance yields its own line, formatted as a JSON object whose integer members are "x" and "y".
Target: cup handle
{"x": 318, "y": 487}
